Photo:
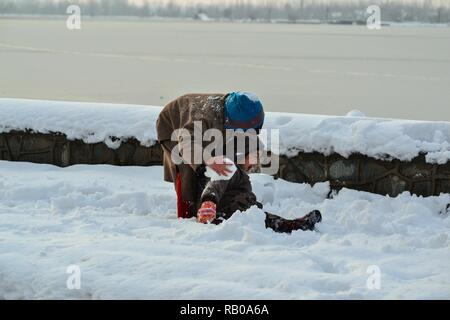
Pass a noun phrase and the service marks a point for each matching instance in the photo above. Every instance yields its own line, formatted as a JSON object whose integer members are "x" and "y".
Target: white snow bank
{"x": 90, "y": 122}
{"x": 355, "y": 113}
{"x": 374, "y": 137}
{"x": 354, "y": 133}
{"x": 119, "y": 226}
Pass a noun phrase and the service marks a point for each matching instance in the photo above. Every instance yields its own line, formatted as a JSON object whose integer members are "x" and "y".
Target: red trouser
{"x": 184, "y": 208}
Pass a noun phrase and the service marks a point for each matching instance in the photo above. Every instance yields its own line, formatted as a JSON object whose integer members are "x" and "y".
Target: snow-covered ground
{"x": 119, "y": 226}
{"x": 353, "y": 133}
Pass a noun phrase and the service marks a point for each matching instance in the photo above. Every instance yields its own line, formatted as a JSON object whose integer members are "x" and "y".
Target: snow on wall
{"x": 374, "y": 137}
{"x": 90, "y": 122}
{"x": 354, "y": 133}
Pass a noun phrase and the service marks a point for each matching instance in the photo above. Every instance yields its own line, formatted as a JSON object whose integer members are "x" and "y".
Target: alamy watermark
{"x": 373, "y": 21}
{"x": 74, "y": 280}
{"x": 374, "y": 280}
{"x": 73, "y": 21}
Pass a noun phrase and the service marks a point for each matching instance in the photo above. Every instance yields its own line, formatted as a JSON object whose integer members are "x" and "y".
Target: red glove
{"x": 207, "y": 212}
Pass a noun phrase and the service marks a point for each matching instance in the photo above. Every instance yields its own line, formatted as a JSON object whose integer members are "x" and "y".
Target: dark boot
{"x": 279, "y": 224}
{"x": 445, "y": 211}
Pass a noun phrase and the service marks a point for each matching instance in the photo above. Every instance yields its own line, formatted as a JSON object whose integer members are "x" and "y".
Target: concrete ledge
{"x": 358, "y": 171}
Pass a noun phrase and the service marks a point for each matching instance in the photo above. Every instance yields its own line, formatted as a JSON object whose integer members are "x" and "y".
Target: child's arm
{"x": 216, "y": 189}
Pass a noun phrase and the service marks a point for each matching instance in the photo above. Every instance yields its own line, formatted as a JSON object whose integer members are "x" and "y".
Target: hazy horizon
{"x": 320, "y": 69}
{"x": 140, "y": 2}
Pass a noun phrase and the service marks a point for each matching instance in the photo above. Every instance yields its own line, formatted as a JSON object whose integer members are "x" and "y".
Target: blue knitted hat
{"x": 243, "y": 110}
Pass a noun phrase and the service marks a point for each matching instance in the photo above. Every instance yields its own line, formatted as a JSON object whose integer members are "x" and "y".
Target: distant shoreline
{"x": 395, "y": 72}
{"x": 238, "y": 21}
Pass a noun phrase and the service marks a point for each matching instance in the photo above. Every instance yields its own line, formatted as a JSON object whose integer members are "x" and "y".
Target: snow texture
{"x": 355, "y": 113}
{"x": 119, "y": 226}
{"x": 345, "y": 135}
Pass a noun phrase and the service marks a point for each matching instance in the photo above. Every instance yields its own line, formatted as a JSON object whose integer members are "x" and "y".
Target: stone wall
{"x": 357, "y": 172}
{"x": 367, "y": 174}
{"x": 58, "y": 150}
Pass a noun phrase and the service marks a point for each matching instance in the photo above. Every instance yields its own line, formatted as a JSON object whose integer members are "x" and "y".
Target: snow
{"x": 345, "y": 135}
{"x": 119, "y": 226}
{"x": 214, "y": 176}
{"x": 374, "y": 137}
{"x": 203, "y": 17}
{"x": 355, "y": 113}
{"x": 90, "y": 122}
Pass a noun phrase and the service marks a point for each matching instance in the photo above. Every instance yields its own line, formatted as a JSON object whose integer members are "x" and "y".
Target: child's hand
{"x": 207, "y": 212}
{"x": 219, "y": 165}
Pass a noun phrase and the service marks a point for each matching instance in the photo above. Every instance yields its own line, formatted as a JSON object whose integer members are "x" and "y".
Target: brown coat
{"x": 181, "y": 113}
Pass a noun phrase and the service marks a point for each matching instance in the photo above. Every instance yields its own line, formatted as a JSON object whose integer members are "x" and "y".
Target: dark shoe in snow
{"x": 446, "y": 211}
{"x": 279, "y": 224}
{"x": 309, "y": 221}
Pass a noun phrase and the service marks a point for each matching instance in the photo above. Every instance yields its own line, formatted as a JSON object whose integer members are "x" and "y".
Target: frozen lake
{"x": 401, "y": 72}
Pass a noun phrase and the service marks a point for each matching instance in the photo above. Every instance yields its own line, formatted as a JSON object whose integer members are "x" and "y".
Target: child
{"x": 221, "y": 198}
